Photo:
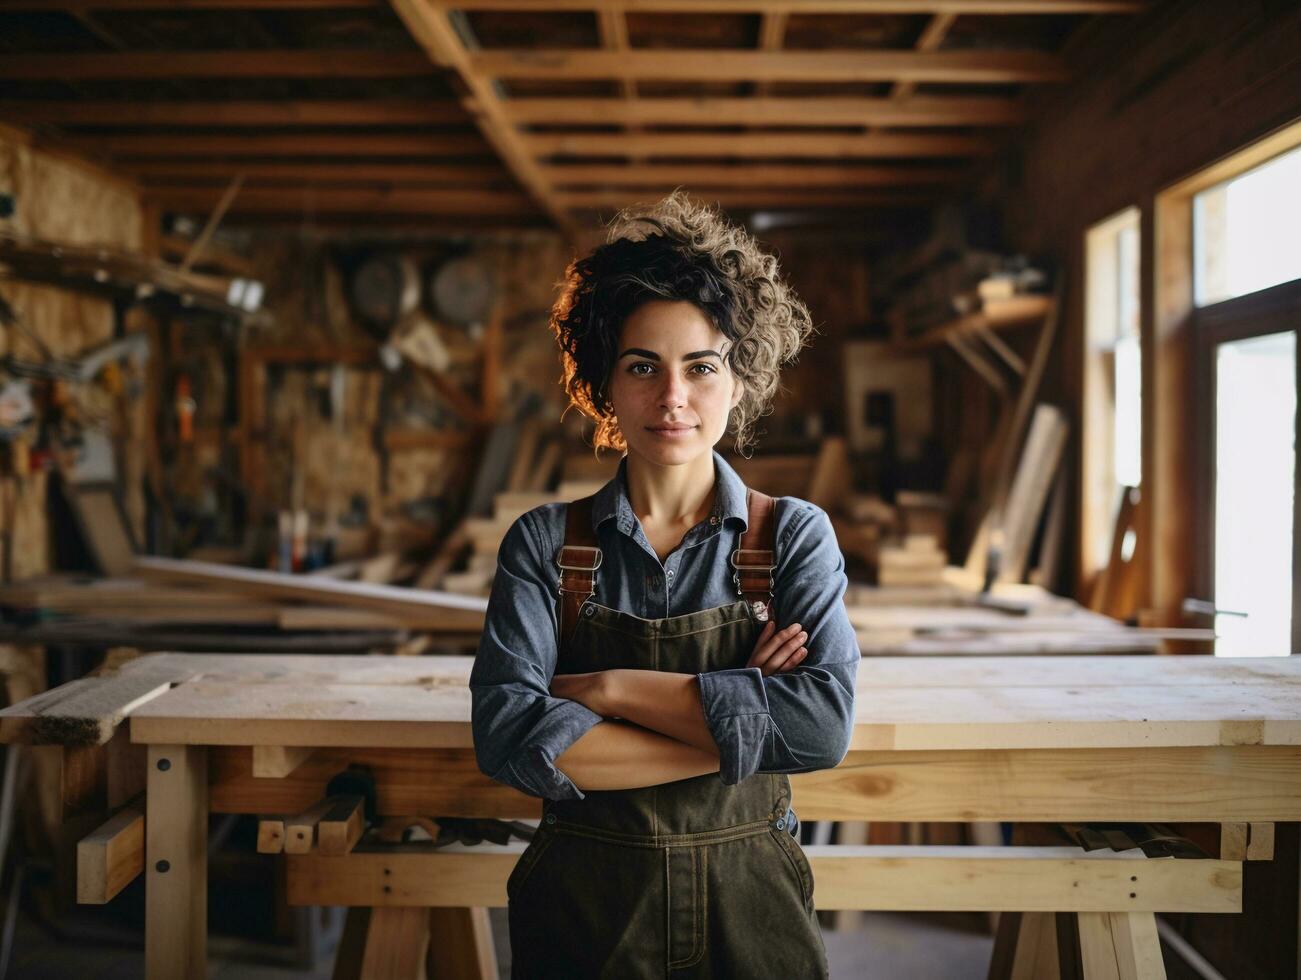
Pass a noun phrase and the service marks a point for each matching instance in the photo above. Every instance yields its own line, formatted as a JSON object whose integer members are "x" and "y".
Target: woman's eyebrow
{"x": 694, "y": 355}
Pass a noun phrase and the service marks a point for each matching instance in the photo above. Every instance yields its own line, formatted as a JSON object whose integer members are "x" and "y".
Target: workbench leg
{"x": 1025, "y": 947}
{"x": 396, "y": 940}
{"x": 1120, "y": 946}
{"x": 176, "y": 863}
{"x": 460, "y": 944}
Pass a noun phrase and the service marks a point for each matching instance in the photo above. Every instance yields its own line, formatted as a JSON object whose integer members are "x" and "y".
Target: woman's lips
{"x": 673, "y": 433}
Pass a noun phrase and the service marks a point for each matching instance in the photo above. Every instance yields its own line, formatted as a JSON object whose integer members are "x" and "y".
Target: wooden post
{"x": 176, "y": 863}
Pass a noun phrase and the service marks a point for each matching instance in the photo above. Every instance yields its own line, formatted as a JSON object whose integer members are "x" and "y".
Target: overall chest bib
{"x": 693, "y": 878}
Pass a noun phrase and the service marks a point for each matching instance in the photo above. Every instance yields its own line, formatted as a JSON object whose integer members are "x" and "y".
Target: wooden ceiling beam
{"x": 931, "y": 39}
{"x": 304, "y": 145}
{"x": 744, "y": 175}
{"x": 173, "y": 5}
{"x": 918, "y": 110}
{"x": 342, "y": 112}
{"x": 432, "y": 29}
{"x": 345, "y": 200}
{"x": 822, "y": 6}
{"x": 742, "y": 198}
{"x": 756, "y": 145}
{"x": 353, "y": 171}
{"x": 119, "y": 65}
{"x": 771, "y": 66}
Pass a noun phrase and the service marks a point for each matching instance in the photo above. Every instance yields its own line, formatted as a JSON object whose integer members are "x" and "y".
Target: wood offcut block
{"x": 110, "y": 858}
{"x": 300, "y": 831}
{"x": 341, "y": 826}
{"x": 279, "y": 761}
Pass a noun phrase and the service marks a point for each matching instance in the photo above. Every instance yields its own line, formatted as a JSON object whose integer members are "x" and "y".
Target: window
{"x": 1113, "y": 386}
{"x": 1247, "y": 231}
{"x": 1255, "y": 472}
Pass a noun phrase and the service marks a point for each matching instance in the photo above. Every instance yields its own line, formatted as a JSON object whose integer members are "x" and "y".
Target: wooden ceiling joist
{"x": 301, "y": 145}
{"x": 120, "y": 65}
{"x": 347, "y": 200}
{"x": 350, "y": 172}
{"x": 769, "y": 111}
{"x": 954, "y": 67}
{"x": 433, "y": 30}
{"x": 768, "y": 145}
{"x": 810, "y": 6}
{"x": 743, "y": 198}
{"x": 745, "y": 175}
{"x": 348, "y": 112}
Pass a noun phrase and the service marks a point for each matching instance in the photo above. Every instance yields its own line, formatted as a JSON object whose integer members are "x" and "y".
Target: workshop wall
{"x": 66, "y": 201}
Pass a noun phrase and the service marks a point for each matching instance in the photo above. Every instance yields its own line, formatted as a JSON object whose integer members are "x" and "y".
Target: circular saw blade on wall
{"x": 462, "y": 291}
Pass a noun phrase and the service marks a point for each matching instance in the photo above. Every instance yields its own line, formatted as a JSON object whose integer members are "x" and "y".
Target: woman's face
{"x": 670, "y": 387}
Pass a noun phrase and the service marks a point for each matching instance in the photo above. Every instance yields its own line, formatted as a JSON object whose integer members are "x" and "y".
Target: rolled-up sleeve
{"x": 519, "y": 728}
{"x": 798, "y": 720}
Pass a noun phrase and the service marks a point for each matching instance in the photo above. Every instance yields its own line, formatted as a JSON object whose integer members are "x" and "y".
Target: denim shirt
{"x": 798, "y": 720}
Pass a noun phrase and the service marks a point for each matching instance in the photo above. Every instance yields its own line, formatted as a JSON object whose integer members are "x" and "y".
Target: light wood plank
{"x": 896, "y": 878}
{"x": 461, "y": 612}
{"x": 1208, "y": 785}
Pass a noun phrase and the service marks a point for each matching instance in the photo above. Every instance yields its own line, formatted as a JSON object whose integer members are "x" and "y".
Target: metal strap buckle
{"x": 580, "y": 568}
{"x": 766, "y": 567}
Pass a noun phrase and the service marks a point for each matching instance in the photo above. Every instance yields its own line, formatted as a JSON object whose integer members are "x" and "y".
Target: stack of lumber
{"x": 919, "y": 561}
{"x": 485, "y": 534}
{"x": 952, "y": 618}
{"x": 165, "y": 592}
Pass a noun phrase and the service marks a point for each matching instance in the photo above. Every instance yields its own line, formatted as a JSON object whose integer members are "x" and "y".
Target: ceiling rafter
{"x": 812, "y": 145}
{"x": 918, "y": 110}
{"x": 431, "y": 26}
{"x": 817, "y": 6}
{"x": 126, "y": 65}
{"x": 770, "y": 66}
{"x": 310, "y": 112}
{"x": 828, "y": 175}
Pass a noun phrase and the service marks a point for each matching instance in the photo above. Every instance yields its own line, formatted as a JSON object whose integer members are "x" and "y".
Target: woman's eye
{"x": 709, "y": 368}
{"x": 640, "y": 364}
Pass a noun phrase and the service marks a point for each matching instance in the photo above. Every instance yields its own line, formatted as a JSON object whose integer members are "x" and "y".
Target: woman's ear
{"x": 738, "y": 392}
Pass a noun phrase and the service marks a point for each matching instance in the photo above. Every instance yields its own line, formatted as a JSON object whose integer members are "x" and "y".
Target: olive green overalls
{"x": 692, "y": 878}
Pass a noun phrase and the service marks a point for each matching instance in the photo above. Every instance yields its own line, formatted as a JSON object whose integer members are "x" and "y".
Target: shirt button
{"x": 669, "y": 573}
{"x": 551, "y": 818}
{"x": 713, "y": 519}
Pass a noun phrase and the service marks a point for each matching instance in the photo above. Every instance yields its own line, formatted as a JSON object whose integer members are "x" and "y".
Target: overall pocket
{"x": 528, "y": 861}
{"x": 798, "y": 862}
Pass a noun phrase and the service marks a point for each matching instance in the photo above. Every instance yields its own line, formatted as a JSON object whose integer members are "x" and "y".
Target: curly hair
{"x": 677, "y": 250}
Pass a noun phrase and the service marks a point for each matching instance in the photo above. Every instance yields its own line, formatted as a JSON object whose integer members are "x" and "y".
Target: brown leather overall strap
{"x": 578, "y": 559}
{"x": 755, "y": 558}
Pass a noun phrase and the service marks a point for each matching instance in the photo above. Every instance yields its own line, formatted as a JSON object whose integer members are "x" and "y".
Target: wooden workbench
{"x": 1069, "y": 739}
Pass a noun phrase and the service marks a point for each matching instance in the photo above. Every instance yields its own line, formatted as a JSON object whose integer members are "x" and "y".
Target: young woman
{"x": 656, "y": 657}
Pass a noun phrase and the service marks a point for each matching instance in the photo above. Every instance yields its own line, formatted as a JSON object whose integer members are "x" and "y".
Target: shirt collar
{"x": 729, "y": 497}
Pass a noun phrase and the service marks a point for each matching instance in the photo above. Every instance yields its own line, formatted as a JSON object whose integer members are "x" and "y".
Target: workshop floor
{"x": 890, "y": 946}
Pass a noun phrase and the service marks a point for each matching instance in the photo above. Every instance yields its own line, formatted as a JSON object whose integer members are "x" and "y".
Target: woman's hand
{"x": 777, "y": 650}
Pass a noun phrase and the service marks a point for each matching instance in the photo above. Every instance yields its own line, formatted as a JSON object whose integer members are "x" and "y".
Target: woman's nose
{"x": 673, "y": 392}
